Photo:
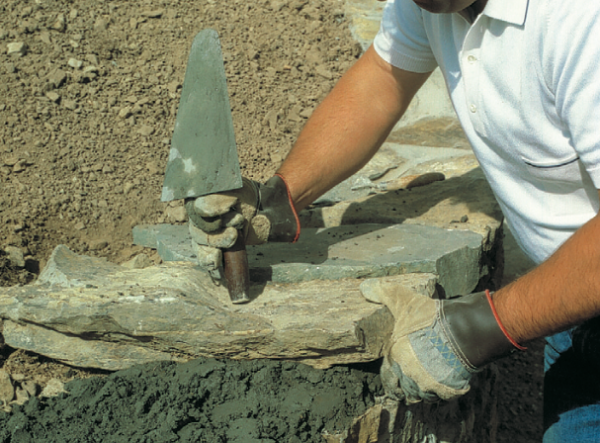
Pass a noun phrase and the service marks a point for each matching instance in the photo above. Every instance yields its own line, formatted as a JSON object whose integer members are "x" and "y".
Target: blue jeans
{"x": 572, "y": 385}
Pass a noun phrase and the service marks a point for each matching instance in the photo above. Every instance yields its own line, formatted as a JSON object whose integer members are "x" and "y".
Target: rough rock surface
{"x": 91, "y": 313}
{"x": 87, "y": 112}
{"x": 363, "y": 250}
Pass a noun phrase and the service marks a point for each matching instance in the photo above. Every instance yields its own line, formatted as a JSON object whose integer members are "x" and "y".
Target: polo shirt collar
{"x": 510, "y": 11}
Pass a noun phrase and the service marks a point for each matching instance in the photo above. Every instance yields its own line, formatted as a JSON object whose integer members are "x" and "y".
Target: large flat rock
{"x": 464, "y": 200}
{"x": 87, "y": 312}
{"x": 357, "y": 251}
{"x": 394, "y": 160}
{"x": 450, "y": 228}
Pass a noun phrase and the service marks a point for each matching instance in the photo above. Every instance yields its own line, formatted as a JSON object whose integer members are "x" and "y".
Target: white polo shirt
{"x": 524, "y": 80}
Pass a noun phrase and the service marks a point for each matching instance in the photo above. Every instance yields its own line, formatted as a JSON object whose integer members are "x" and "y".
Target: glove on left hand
{"x": 259, "y": 212}
{"x": 436, "y": 345}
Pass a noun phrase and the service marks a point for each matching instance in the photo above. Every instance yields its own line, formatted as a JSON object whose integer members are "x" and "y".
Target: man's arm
{"x": 348, "y": 127}
{"x": 562, "y": 292}
{"x": 341, "y": 136}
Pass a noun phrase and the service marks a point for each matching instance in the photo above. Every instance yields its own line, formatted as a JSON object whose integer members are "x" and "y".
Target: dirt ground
{"x": 87, "y": 108}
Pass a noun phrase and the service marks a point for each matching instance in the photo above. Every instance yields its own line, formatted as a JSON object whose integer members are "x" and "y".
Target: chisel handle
{"x": 235, "y": 267}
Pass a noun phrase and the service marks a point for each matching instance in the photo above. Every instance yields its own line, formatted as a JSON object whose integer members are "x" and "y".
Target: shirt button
{"x": 473, "y": 108}
{"x": 472, "y": 59}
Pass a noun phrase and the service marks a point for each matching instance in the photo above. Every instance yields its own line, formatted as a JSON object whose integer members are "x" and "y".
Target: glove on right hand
{"x": 436, "y": 345}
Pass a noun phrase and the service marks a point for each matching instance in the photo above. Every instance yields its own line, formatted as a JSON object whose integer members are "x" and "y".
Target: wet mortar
{"x": 205, "y": 400}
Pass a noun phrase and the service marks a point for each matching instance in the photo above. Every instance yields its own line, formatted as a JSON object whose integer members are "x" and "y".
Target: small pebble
{"x": 20, "y": 166}
{"x": 53, "y": 388}
{"x": 153, "y": 14}
{"x": 127, "y": 187}
{"x": 53, "y": 96}
{"x": 17, "y": 48}
{"x": 59, "y": 24}
{"x": 97, "y": 245}
{"x": 100, "y": 24}
{"x": 125, "y": 112}
{"x": 70, "y": 104}
{"x": 16, "y": 256}
{"x": 74, "y": 63}
{"x": 146, "y": 130}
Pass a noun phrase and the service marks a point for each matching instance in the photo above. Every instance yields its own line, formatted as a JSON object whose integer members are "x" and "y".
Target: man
{"x": 524, "y": 80}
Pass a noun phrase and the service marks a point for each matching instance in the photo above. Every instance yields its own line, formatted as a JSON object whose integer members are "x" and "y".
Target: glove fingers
{"x": 406, "y": 305}
{"x": 208, "y": 225}
{"x": 215, "y": 218}
{"x": 210, "y": 259}
{"x": 223, "y": 239}
{"x": 206, "y": 211}
{"x": 213, "y": 205}
{"x": 391, "y": 381}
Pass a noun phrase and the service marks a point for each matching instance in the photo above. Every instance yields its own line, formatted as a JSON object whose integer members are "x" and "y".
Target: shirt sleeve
{"x": 572, "y": 73}
{"x": 402, "y": 40}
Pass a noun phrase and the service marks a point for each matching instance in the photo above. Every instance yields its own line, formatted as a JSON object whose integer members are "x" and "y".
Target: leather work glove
{"x": 436, "y": 345}
{"x": 261, "y": 212}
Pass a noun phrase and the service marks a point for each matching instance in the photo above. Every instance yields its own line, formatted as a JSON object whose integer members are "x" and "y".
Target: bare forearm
{"x": 562, "y": 292}
{"x": 349, "y": 126}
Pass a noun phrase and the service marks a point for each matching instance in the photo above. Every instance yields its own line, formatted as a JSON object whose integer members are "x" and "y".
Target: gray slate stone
{"x": 87, "y": 312}
{"x": 390, "y": 162}
{"x": 364, "y": 250}
{"x": 172, "y": 242}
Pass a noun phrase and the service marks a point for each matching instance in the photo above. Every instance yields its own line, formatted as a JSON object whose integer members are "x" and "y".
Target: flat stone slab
{"x": 463, "y": 201}
{"x": 358, "y": 251}
{"x": 172, "y": 242}
{"x": 395, "y": 160}
{"x": 87, "y": 312}
{"x": 449, "y": 228}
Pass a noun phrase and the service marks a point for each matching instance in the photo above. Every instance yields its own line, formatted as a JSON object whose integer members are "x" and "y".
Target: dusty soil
{"x": 83, "y": 150}
{"x": 87, "y": 108}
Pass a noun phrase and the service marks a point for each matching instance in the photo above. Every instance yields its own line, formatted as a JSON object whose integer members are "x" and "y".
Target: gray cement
{"x": 205, "y": 400}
